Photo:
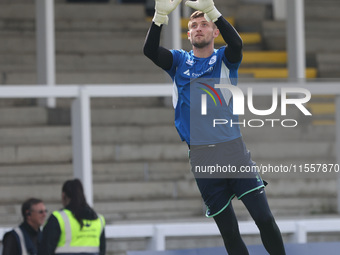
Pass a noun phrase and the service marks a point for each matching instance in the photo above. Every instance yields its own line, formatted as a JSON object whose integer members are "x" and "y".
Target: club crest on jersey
{"x": 212, "y": 60}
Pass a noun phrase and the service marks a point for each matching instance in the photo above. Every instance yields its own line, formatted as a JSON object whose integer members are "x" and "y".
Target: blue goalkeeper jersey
{"x": 194, "y": 82}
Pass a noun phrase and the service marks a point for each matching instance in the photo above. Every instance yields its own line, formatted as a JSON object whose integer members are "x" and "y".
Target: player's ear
{"x": 216, "y": 32}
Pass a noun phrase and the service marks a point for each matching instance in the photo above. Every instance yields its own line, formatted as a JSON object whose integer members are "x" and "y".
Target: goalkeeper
{"x": 223, "y": 146}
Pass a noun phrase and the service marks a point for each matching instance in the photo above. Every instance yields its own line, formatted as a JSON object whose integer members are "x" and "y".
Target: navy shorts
{"x": 223, "y": 171}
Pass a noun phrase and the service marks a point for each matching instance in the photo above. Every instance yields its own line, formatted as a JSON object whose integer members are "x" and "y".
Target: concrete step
{"x": 157, "y": 190}
{"x": 18, "y": 26}
{"x": 152, "y": 210}
{"x": 65, "y": 103}
{"x": 278, "y": 133}
{"x": 99, "y": 77}
{"x": 322, "y": 28}
{"x": 35, "y": 135}
{"x": 318, "y": 44}
{"x": 33, "y": 154}
{"x": 31, "y": 116}
{"x": 188, "y": 208}
{"x": 292, "y": 150}
{"x": 93, "y": 62}
{"x": 17, "y": 102}
{"x": 116, "y": 62}
{"x": 36, "y": 116}
{"x": 303, "y": 188}
{"x": 141, "y": 171}
{"x": 126, "y": 30}
{"x": 248, "y": 17}
{"x": 274, "y": 36}
{"x": 327, "y": 10}
{"x": 107, "y": 43}
{"x": 118, "y": 103}
{"x": 80, "y": 11}
{"x": 328, "y": 65}
{"x": 100, "y": 135}
{"x": 5, "y": 2}
{"x": 253, "y": 62}
{"x": 153, "y": 75}
{"x": 292, "y": 207}
{"x": 146, "y": 116}
{"x": 106, "y": 191}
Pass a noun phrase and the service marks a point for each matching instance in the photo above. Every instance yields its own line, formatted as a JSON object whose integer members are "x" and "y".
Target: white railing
{"x": 157, "y": 233}
{"x": 81, "y": 118}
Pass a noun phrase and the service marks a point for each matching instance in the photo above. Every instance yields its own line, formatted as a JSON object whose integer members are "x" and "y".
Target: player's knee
{"x": 265, "y": 221}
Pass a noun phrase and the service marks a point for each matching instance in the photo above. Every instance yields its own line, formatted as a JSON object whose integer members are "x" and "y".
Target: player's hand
{"x": 206, "y": 6}
{"x": 163, "y": 8}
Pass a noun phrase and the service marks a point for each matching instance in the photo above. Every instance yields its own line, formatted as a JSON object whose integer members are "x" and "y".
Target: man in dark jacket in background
{"x": 26, "y": 238}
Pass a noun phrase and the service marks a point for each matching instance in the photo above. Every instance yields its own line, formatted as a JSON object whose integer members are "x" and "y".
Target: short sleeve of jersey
{"x": 177, "y": 55}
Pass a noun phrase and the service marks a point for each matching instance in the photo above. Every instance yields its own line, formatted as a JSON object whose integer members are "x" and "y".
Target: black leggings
{"x": 257, "y": 205}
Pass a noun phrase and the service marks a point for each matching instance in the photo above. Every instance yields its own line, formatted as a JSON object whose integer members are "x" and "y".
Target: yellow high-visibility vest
{"x": 74, "y": 239}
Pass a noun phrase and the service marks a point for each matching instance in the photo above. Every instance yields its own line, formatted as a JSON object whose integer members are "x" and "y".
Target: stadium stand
{"x": 141, "y": 171}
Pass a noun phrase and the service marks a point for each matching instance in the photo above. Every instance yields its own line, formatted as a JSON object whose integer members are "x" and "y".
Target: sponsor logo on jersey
{"x": 187, "y": 72}
{"x": 209, "y": 70}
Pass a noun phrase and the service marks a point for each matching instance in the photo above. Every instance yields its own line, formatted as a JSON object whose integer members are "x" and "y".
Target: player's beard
{"x": 200, "y": 43}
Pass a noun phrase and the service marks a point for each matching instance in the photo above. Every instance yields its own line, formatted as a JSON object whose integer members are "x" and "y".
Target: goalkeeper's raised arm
{"x": 159, "y": 55}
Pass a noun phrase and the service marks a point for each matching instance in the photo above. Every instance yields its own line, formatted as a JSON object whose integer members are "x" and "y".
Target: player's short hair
{"x": 195, "y": 15}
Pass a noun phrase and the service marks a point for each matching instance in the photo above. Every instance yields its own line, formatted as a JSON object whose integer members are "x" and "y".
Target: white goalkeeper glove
{"x": 163, "y": 8}
{"x": 206, "y": 6}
